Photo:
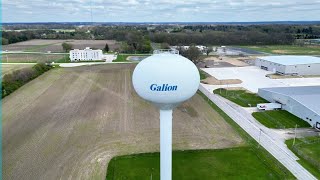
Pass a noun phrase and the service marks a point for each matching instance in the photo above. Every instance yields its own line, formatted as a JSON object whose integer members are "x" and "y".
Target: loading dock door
{"x": 318, "y": 125}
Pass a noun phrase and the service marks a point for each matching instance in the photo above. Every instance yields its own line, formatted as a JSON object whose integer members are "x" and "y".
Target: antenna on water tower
{"x": 166, "y": 79}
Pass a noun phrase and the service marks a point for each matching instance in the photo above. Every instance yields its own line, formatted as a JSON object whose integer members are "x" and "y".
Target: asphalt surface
{"x": 267, "y": 138}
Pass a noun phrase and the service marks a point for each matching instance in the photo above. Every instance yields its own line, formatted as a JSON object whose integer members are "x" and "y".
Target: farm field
{"x": 287, "y": 49}
{"x": 69, "y": 122}
{"x": 279, "y": 119}
{"x": 45, "y": 45}
{"x": 241, "y": 97}
{"x": 308, "y": 150}
{"x": 34, "y": 58}
{"x": 231, "y": 163}
{"x": 8, "y": 68}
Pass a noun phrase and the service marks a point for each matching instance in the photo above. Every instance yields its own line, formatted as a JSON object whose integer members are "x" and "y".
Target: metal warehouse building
{"x": 290, "y": 65}
{"x": 302, "y": 101}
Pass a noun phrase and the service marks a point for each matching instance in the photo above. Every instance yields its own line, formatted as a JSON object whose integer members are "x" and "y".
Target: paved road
{"x": 267, "y": 138}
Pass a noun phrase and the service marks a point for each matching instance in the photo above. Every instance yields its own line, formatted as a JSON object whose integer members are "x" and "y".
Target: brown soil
{"x": 69, "y": 123}
{"x": 278, "y": 76}
{"x": 280, "y": 51}
{"x": 32, "y": 58}
{"x": 236, "y": 61}
{"x": 213, "y": 81}
{"x": 44, "y": 45}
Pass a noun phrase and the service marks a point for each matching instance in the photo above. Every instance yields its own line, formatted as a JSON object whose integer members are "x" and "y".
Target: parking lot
{"x": 254, "y": 78}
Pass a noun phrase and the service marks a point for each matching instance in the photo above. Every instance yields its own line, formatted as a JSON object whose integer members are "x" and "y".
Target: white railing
{"x": 169, "y": 51}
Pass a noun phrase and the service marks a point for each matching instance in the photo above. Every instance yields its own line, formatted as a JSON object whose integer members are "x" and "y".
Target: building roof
{"x": 308, "y": 96}
{"x": 291, "y": 60}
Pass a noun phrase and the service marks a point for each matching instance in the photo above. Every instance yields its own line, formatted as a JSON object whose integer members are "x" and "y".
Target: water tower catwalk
{"x": 166, "y": 79}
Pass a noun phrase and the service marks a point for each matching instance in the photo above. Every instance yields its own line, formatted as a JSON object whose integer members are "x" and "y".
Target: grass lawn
{"x": 65, "y": 59}
{"x": 287, "y": 49}
{"x": 203, "y": 75}
{"x": 121, "y": 58}
{"x": 279, "y": 119}
{"x": 308, "y": 150}
{"x": 241, "y": 97}
{"x": 233, "y": 163}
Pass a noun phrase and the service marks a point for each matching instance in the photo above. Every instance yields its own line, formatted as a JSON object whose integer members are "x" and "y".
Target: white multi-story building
{"x": 86, "y": 55}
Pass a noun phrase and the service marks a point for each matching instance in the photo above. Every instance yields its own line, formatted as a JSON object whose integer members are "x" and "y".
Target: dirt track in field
{"x": 69, "y": 122}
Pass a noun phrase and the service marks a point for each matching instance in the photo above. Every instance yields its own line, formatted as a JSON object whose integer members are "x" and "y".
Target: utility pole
{"x": 151, "y": 174}
{"x": 295, "y": 134}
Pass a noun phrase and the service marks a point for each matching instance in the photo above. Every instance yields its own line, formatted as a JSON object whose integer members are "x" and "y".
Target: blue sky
{"x": 159, "y": 10}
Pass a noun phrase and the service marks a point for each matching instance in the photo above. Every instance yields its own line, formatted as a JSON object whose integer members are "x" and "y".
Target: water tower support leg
{"x": 165, "y": 144}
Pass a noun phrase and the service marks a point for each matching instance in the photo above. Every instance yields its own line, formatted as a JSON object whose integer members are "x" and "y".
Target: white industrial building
{"x": 290, "y": 65}
{"x": 86, "y": 55}
{"x": 302, "y": 101}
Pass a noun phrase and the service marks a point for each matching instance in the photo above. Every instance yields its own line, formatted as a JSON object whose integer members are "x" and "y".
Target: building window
{"x": 308, "y": 66}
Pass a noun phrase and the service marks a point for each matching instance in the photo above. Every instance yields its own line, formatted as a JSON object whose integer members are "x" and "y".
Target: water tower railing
{"x": 169, "y": 51}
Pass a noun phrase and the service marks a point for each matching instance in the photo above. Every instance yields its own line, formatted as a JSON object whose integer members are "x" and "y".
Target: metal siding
{"x": 291, "y": 105}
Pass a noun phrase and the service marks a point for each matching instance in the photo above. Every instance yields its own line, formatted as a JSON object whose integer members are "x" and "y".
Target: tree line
{"x": 223, "y": 38}
{"x": 136, "y": 38}
{"x": 17, "y": 78}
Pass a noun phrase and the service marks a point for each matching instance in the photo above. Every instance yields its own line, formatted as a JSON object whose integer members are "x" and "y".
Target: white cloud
{"x": 159, "y": 10}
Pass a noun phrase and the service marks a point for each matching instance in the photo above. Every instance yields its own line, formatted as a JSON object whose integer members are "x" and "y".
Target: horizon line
{"x": 163, "y": 21}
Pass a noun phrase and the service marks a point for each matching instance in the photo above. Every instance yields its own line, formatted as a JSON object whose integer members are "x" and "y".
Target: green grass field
{"x": 121, "y": 58}
{"x": 279, "y": 119}
{"x": 233, "y": 163}
{"x": 203, "y": 75}
{"x": 240, "y": 97}
{"x": 308, "y": 150}
{"x": 287, "y": 49}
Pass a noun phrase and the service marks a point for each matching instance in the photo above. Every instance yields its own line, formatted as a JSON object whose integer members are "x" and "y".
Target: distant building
{"x": 200, "y": 47}
{"x": 290, "y": 65}
{"x": 301, "y": 101}
{"x": 86, "y": 55}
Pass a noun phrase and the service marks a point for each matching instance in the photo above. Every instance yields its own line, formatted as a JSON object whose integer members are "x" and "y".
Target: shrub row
{"x": 16, "y": 79}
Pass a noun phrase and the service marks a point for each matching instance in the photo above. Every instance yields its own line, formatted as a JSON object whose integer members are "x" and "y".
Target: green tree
{"x": 66, "y": 46}
{"x": 5, "y": 41}
{"x": 208, "y": 50}
{"x": 106, "y": 47}
{"x": 165, "y": 46}
{"x": 193, "y": 53}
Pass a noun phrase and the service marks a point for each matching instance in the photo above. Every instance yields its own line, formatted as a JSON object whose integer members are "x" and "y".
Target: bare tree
{"x": 193, "y": 53}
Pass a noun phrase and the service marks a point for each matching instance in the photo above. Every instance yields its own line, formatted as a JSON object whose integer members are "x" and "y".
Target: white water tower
{"x": 166, "y": 79}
